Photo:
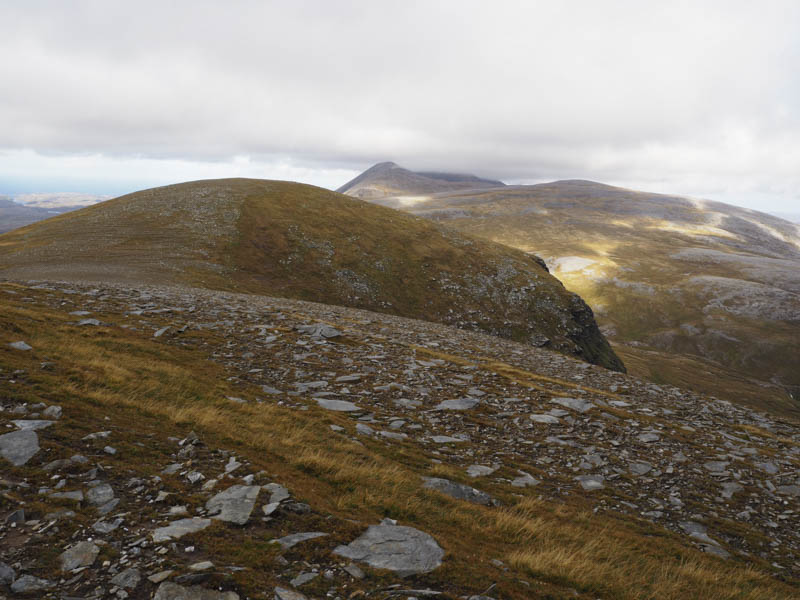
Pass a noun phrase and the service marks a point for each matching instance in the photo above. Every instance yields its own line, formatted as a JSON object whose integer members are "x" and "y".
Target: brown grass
{"x": 144, "y": 385}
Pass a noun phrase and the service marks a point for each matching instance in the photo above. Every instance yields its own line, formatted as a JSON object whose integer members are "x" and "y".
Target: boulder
{"x": 173, "y": 591}
{"x": 459, "y": 491}
{"x": 82, "y": 554}
{"x": 404, "y": 550}
{"x": 235, "y": 504}
{"x": 18, "y": 447}
{"x": 178, "y": 529}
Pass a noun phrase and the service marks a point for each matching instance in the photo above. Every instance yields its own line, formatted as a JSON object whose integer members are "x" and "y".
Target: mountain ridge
{"x": 733, "y": 274}
{"x": 295, "y": 240}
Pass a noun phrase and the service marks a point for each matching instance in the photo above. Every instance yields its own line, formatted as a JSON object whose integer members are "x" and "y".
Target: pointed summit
{"x": 387, "y": 179}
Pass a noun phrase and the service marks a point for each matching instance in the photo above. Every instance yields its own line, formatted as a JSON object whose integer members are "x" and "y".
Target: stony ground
{"x": 509, "y": 418}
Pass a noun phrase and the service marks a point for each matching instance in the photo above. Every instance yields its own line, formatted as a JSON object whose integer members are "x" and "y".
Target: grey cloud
{"x": 619, "y": 91}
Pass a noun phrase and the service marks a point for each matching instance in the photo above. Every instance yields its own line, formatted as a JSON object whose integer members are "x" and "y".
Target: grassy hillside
{"x": 299, "y": 241}
{"x": 194, "y": 397}
{"x": 668, "y": 278}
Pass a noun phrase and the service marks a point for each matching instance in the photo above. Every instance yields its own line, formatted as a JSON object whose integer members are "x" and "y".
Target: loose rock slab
{"x": 458, "y": 491}
{"x": 337, "y": 405}
{"x": 289, "y": 541}
{"x": 178, "y": 529}
{"x": 575, "y": 404}
{"x": 82, "y": 554}
{"x": 18, "y": 447}
{"x": 173, "y": 591}
{"x": 32, "y": 424}
{"x": 404, "y": 550}
{"x": 458, "y": 404}
{"x": 235, "y": 504}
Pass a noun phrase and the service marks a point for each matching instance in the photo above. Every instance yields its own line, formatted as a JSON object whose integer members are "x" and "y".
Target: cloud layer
{"x": 699, "y": 98}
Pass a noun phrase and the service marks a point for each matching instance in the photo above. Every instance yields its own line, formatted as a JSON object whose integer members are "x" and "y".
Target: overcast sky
{"x": 695, "y": 98}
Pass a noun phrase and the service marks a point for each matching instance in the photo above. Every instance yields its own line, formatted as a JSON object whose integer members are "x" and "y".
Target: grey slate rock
{"x": 7, "y": 574}
{"x": 458, "y": 404}
{"x": 32, "y": 424}
{"x": 82, "y": 554}
{"x": 52, "y": 412}
{"x": 480, "y": 470}
{"x": 20, "y": 346}
{"x": 319, "y": 331}
{"x": 404, "y": 550}
{"x": 303, "y": 578}
{"x": 128, "y": 579}
{"x": 546, "y": 419}
{"x": 458, "y": 491}
{"x": 18, "y": 447}
{"x": 173, "y": 591}
{"x": 284, "y": 594}
{"x": 235, "y": 504}
{"x": 337, "y": 405}
{"x": 640, "y": 467}
{"x": 28, "y": 584}
{"x": 525, "y": 480}
{"x": 100, "y": 494}
{"x": 575, "y": 404}
{"x": 591, "y": 482}
{"x": 277, "y": 492}
{"x": 178, "y": 529}
{"x": 288, "y": 541}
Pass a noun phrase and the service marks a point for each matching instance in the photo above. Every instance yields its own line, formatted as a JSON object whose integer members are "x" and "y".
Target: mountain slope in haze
{"x": 13, "y": 215}
{"x": 669, "y": 278}
{"x": 30, "y": 208}
{"x": 390, "y": 179}
{"x": 299, "y": 241}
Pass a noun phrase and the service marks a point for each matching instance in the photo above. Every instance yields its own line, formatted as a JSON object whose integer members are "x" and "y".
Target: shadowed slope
{"x": 299, "y": 241}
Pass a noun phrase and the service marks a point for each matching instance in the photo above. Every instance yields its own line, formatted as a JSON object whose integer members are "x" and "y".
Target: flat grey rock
{"x": 173, "y": 591}
{"x": 18, "y": 447}
{"x": 288, "y": 541}
{"x": 284, "y": 594}
{"x": 459, "y": 491}
{"x": 480, "y": 470}
{"x": 303, "y": 579}
{"x": 32, "y": 424}
{"x": 178, "y": 529}
{"x": 100, "y": 494}
{"x": 128, "y": 579}
{"x": 575, "y": 404}
{"x": 789, "y": 490}
{"x": 730, "y": 488}
{"x": 75, "y": 495}
{"x": 7, "y": 574}
{"x": 355, "y": 378}
{"x": 235, "y": 504}
{"x": 546, "y": 419}
{"x": 404, "y": 550}
{"x": 337, "y": 405}
{"x": 277, "y": 493}
{"x": 640, "y": 467}
{"x": 445, "y": 439}
{"x": 716, "y": 466}
{"x": 88, "y": 322}
{"x": 591, "y": 482}
{"x": 52, "y": 412}
{"x": 458, "y": 404}
{"x": 82, "y": 554}
{"x": 20, "y": 346}
{"x": 319, "y": 331}
{"x": 28, "y": 584}
{"x": 525, "y": 480}
{"x": 648, "y": 437}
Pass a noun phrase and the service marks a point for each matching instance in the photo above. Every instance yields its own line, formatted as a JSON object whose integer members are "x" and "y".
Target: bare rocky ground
{"x": 510, "y": 416}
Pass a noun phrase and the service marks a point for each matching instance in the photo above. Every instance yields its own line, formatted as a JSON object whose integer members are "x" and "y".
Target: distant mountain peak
{"x": 387, "y": 179}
